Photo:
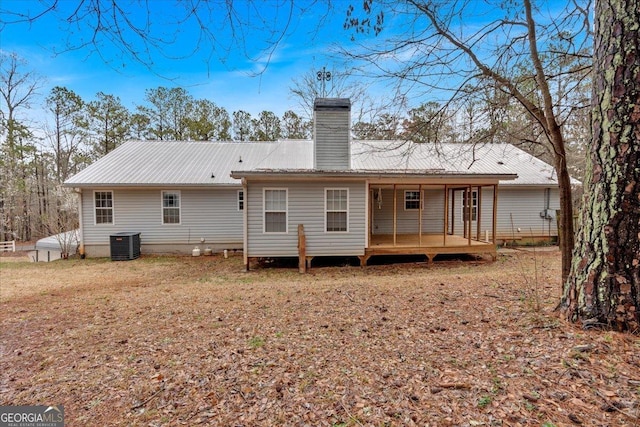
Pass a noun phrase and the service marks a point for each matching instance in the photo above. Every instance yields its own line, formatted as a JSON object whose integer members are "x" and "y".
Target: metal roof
{"x": 180, "y": 163}
{"x": 484, "y": 159}
{"x": 53, "y": 242}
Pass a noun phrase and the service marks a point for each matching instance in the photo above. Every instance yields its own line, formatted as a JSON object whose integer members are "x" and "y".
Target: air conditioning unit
{"x": 125, "y": 246}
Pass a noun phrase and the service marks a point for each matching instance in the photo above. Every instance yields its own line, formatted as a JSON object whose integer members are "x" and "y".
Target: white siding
{"x": 407, "y": 220}
{"x": 205, "y": 213}
{"x": 522, "y": 205}
{"x": 517, "y": 208}
{"x": 306, "y": 206}
{"x": 214, "y": 215}
{"x": 332, "y": 151}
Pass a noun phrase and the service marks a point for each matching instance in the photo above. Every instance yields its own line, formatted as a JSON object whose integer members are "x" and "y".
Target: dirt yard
{"x": 198, "y": 341}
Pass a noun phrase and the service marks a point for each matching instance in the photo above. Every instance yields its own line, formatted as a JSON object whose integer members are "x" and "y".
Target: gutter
{"x": 366, "y": 174}
{"x": 149, "y": 186}
{"x": 78, "y": 191}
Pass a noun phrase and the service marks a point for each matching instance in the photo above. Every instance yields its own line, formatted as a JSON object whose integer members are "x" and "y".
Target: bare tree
{"x": 65, "y": 135}
{"x": 428, "y": 123}
{"x": 365, "y": 107}
{"x": 604, "y": 286}
{"x": 143, "y": 31}
{"x": 438, "y": 53}
{"x": 386, "y": 127}
{"x": 17, "y": 89}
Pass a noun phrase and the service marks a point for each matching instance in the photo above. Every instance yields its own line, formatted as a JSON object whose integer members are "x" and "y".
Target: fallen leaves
{"x": 184, "y": 341}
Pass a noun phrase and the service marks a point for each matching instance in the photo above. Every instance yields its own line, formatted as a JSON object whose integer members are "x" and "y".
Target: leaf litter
{"x": 198, "y": 341}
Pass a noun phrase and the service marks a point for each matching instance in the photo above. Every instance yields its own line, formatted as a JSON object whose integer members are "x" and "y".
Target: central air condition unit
{"x": 125, "y": 246}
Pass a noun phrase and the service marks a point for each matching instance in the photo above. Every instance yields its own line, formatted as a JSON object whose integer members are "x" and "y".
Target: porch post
{"x": 479, "y": 213}
{"x": 395, "y": 215}
{"x": 464, "y": 212}
{"x": 453, "y": 211}
{"x": 446, "y": 215}
{"x": 420, "y": 202}
{"x": 370, "y": 206}
{"x": 495, "y": 212}
{"x": 469, "y": 222}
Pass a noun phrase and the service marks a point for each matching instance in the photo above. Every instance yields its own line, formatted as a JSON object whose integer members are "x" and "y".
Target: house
{"x": 352, "y": 198}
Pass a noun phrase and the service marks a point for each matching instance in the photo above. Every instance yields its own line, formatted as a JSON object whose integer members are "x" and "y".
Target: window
{"x": 336, "y": 209}
{"x": 240, "y": 200}
{"x": 275, "y": 210}
{"x": 103, "y": 203}
{"x": 411, "y": 200}
{"x": 171, "y": 207}
{"x": 474, "y": 206}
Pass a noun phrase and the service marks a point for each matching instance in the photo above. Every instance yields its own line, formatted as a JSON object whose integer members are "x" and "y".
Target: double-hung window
{"x": 336, "y": 209}
{"x": 275, "y": 210}
{"x": 474, "y": 205}
{"x": 171, "y": 207}
{"x": 103, "y": 205}
{"x": 411, "y": 200}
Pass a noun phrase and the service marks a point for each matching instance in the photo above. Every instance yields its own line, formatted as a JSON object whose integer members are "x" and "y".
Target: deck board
{"x": 429, "y": 245}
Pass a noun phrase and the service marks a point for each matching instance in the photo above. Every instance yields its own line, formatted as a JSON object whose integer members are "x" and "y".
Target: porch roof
{"x": 377, "y": 176}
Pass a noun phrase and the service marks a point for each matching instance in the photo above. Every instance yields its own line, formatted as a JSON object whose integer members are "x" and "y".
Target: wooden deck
{"x": 429, "y": 245}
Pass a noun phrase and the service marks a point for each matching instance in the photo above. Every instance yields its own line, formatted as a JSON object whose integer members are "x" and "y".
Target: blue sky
{"x": 242, "y": 72}
{"x": 228, "y": 75}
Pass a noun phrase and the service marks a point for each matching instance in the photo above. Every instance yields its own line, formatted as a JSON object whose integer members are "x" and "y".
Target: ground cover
{"x": 198, "y": 341}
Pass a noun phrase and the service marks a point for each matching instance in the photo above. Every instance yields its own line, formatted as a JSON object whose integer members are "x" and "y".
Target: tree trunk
{"x": 566, "y": 234}
{"x": 604, "y": 284}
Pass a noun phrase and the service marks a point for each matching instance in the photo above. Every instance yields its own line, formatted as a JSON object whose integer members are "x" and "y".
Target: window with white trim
{"x": 103, "y": 205}
{"x": 474, "y": 205}
{"x": 275, "y": 210}
{"x": 412, "y": 200}
{"x": 240, "y": 200}
{"x": 336, "y": 209}
{"x": 171, "y": 207}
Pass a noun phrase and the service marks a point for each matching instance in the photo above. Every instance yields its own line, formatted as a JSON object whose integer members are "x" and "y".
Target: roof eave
{"x": 357, "y": 174}
{"x": 149, "y": 185}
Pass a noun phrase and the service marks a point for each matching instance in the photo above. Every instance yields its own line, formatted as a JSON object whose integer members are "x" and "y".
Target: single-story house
{"x": 350, "y": 197}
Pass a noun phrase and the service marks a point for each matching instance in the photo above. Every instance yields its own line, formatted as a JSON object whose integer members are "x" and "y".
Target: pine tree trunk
{"x": 604, "y": 284}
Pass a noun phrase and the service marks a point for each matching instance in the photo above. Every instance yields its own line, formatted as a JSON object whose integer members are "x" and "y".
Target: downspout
{"x": 420, "y": 205}
{"x": 78, "y": 191}
{"x": 245, "y": 225}
{"x": 494, "y": 224}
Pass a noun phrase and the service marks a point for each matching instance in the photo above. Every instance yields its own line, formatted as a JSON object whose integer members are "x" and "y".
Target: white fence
{"x": 9, "y": 246}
